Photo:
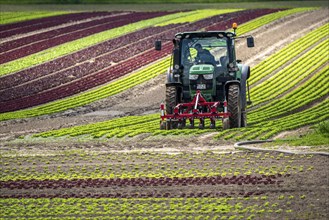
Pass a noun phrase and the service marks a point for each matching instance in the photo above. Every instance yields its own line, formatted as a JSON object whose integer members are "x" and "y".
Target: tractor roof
{"x": 205, "y": 34}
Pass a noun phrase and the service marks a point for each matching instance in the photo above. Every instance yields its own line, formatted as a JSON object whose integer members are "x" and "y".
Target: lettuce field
{"x": 80, "y": 93}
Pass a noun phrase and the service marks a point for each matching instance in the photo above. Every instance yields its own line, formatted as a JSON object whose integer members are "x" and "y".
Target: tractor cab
{"x": 204, "y": 58}
{"x": 204, "y": 64}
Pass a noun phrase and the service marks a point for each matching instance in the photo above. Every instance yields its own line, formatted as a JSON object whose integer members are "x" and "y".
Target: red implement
{"x": 198, "y": 108}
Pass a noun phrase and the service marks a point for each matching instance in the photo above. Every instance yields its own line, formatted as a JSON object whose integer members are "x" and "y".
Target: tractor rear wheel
{"x": 172, "y": 99}
{"x": 234, "y": 105}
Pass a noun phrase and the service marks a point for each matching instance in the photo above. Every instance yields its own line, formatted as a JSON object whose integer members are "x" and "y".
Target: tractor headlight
{"x": 193, "y": 77}
{"x": 208, "y": 76}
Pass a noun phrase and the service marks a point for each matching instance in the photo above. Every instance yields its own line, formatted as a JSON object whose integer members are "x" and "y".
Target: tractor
{"x": 205, "y": 81}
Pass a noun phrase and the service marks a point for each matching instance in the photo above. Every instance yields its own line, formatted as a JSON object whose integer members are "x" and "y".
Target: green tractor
{"x": 205, "y": 80}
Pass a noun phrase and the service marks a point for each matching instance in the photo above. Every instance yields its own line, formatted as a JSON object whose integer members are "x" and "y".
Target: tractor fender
{"x": 245, "y": 74}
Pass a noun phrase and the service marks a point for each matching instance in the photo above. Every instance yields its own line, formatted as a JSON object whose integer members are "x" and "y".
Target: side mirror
{"x": 157, "y": 45}
{"x": 250, "y": 42}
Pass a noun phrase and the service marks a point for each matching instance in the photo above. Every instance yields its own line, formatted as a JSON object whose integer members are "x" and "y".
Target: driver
{"x": 204, "y": 56}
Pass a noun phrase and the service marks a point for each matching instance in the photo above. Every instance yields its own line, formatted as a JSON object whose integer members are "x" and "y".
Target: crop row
{"x": 152, "y": 208}
{"x": 27, "y": 26}
{"x": 39, "y": 42}
{"x": 14, "y": 41}
{"x": 82, "y": 43}
{"x": 261, "y": 21}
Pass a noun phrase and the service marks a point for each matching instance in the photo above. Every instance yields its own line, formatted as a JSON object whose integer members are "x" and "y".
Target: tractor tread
{"x": 171, "y": 99}
{"x": 233, "y": 106}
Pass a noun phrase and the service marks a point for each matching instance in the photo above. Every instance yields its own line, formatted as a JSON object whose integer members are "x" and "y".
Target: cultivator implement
{"x": 197, "y": 109}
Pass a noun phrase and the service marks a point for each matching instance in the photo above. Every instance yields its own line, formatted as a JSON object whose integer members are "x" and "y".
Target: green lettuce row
{"x": 286, "y": 54}
{"x": 144, "y": 208}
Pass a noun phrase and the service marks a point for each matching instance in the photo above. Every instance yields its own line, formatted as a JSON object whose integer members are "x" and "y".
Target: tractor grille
{"x": 194, "y": 83}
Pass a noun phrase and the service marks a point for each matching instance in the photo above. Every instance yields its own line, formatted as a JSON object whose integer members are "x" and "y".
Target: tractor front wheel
{"x": 234, "y": 105}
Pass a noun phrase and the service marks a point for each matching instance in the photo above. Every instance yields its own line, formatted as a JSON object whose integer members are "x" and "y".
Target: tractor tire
{"x": 234, "y": 105}
{"x": 172, "y": 99}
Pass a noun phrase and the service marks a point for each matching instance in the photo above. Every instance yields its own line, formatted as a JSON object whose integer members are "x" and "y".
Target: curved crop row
{"x": 267, "y": 128}
{"x": 150, "y": 208}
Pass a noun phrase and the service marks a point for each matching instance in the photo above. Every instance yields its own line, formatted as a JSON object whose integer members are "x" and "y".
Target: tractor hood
{"x": 202, "y": 69}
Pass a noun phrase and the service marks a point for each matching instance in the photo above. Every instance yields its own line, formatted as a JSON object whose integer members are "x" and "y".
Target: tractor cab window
{"x": 210, "y": 50}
